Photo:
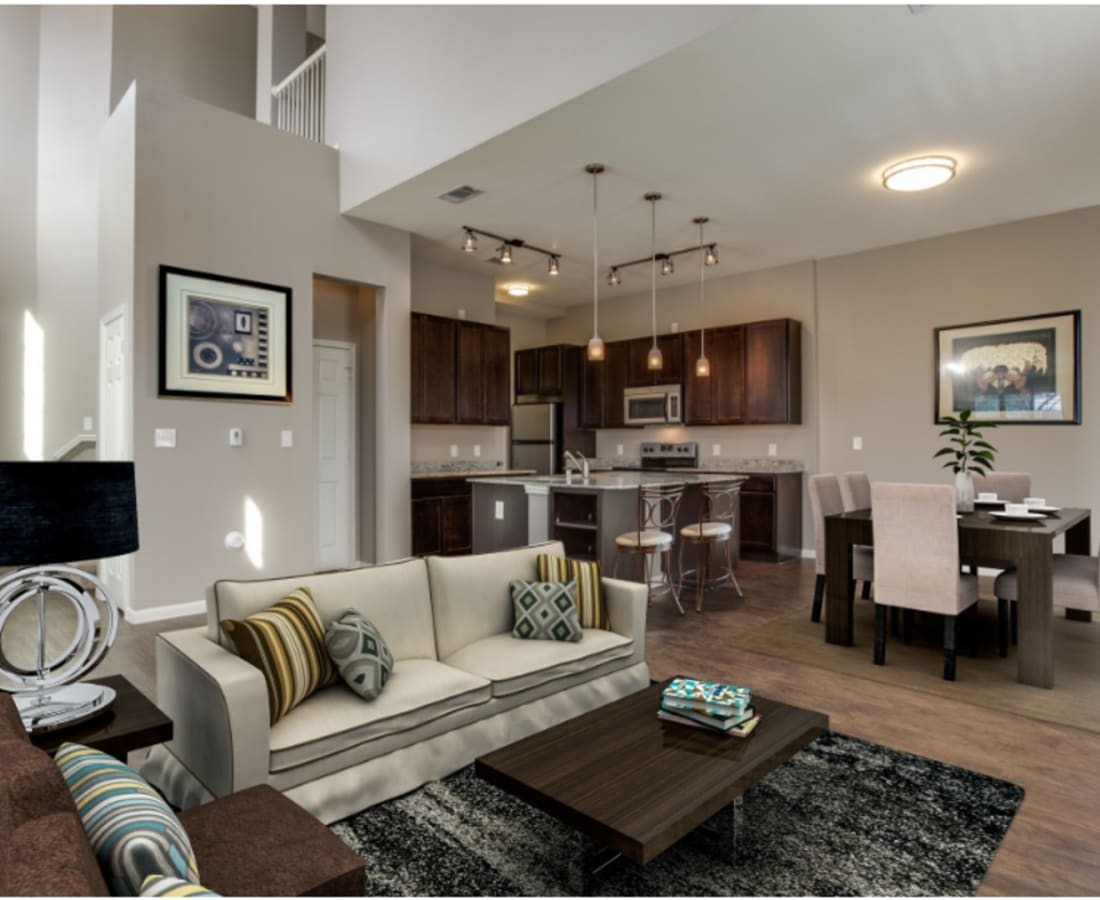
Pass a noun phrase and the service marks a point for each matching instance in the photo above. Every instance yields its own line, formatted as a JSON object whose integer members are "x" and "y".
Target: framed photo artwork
{"x": 223, "y": 337}
{"x": 1012, "y": 371}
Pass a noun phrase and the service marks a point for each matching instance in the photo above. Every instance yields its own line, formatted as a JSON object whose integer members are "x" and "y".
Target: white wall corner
{"x": 160, "y": 613}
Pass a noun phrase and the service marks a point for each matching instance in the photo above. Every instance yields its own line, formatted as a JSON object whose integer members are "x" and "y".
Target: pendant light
{"x": 702, "y": 364}
{"x": 595, "y": 343}
{"x": 654, "y": 360}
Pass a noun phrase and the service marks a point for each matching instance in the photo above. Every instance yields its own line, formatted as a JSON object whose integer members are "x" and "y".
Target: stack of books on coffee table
{"x": 721, "y": 708}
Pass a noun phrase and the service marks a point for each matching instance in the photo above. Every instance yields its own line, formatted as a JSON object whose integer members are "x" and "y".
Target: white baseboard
{"x": 158, "y": 613}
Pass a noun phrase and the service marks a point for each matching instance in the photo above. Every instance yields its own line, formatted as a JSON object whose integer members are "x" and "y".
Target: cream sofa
{"x": 461, "y": 684}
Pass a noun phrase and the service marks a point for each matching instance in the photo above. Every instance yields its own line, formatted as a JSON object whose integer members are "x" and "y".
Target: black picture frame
{"x": 1020, "y": 371}
{"x": 224, "y": 338}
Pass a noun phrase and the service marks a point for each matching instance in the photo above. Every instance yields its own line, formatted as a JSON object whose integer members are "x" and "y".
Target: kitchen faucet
{"x": 581, "y": 465}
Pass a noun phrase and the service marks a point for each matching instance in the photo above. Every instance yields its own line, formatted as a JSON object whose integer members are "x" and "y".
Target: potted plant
{"x": 969, "y": 453}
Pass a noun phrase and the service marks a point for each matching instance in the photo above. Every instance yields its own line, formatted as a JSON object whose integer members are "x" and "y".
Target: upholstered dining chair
{"x": 855, "y": 489}
{"x": 826, "y": 500}
{"x": 1076, "y": 586}
{"x": 658, "y": 507}
{"x": 917, "y": 561}
{"x": 1010, "y": 486}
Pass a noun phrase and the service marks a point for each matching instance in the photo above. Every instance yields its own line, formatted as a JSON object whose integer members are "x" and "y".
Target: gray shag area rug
{"x": 844, "y": 817}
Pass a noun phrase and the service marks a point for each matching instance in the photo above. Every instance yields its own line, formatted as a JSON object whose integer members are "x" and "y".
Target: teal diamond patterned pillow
{"x": 545, "y": 611}
{"x": 357, "y": 650}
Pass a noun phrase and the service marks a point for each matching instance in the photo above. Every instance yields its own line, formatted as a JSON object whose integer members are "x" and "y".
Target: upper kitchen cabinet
{"x": 773, "y": 372}
{"x": 459, "y": 372}
{"x": 672, "y": 356}
{"x": 718, "y": 399}
{"x": 539, "y": 373}
{"x": 616, "y": 363}
{"x": 433, "y": 370}
{"x": 592, "y": 394}
{"x": 482, "y": 384}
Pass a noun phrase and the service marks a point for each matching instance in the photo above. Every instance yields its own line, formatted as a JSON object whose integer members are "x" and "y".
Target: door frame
{"x": 353, "y": 439}
{"x": 124, "y": 595}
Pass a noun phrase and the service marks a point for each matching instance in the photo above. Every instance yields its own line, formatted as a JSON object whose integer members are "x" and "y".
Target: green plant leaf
{"x": 985, "y": 445}
{"x": 942, "y": 452}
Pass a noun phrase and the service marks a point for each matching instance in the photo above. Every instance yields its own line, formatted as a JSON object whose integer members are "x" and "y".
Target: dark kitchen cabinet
{"x": 482, "y": 384}
{"x": 527, "y": 371}
{"x": 459, "y": 372}
{"x": 591, "y": 394}
{"x": 617, "y": 359}
{"x": 719, "y": 398}
{"x": 672, "y": 366}
{"x": 771, "y": 516}
{"x": 550, "y": 370}
{"x": 433, "y": 370}
{"x": 540, "y": 371}
{"x": 773, "y": 372}
{"x": 442, "y": 520}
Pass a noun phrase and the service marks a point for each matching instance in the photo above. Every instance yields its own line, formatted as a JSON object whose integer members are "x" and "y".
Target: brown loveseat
{"x": 253, "y": 843}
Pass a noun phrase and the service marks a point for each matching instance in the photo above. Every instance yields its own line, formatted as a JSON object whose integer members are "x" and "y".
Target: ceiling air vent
{"x": 461, "y": 194}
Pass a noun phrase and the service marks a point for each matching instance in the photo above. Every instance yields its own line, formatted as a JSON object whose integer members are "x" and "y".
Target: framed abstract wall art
{"x": 223, "y": 337}
{"x": 1011, "y": 371}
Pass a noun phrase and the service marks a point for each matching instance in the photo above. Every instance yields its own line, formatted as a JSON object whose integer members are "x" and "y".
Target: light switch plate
{"x": 236, "y": 437}
{"x": 454, "y": 450}
{"x": 715, "y": 449}
{"x": 773, "y": 450}
{"x": 857, "y": 443}
{"x": 499, "y": 509}
{"x": 675, "y": 327}
{"x": 477, "y": 450}
{"x": 89, "y": 423}
{"x": 286, "y": 438}
{"x": 462, "y": 314}
{"x": 164, "y": 438}
{"x": 618, "y": 449}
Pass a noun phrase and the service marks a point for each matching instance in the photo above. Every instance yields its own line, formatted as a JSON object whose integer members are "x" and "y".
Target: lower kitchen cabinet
{"x": 771, "y": 516}
{"x": 442, "y": 517}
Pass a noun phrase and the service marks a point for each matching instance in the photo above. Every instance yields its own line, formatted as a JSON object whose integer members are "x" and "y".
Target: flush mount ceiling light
{"x": 519, "y": 290}
{"x": 919, "y": 173}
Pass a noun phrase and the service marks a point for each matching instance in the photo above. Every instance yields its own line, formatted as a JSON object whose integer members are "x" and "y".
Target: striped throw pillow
{"x": 591, "y": 608}
{"x": 132, "y": 831}
{"x": 287, "y": 643}
{"x": 167, "y": 886}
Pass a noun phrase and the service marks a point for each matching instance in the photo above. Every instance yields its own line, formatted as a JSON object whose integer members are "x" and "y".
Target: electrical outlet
{"x": 715, "y": 449}
{"x": 462, "y": 314}
{"x": 454, "y": 451}
{"x": 857, "y": 443}
{"x": 477, "y": 449}
{"x": 675, "y": 327}
{"x": 236, "y": 437}
{"x": 165, "y": 438}
{"x": 88, "y": 423}
{"x": 773, "y": 450}
{"x": 286, "y": 438}
{"x": 618, "y": 449}
{"x": 498, "y": 510}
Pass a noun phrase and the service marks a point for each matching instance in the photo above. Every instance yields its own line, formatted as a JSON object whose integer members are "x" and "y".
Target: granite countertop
{"x": 748, "y": 466}
{"x": 615, "y": 481}
{"x": 438, "y": 474}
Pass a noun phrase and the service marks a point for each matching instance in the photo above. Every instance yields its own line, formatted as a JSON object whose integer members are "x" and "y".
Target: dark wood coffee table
{"x": 132, "y": 722}
{"x": 628, "y": 782}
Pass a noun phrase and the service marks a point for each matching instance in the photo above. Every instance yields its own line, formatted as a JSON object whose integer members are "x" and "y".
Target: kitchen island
{"x": 586, "y": 515}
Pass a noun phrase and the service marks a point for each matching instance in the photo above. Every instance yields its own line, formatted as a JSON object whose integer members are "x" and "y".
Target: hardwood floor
{"x": 1051, "y": 848}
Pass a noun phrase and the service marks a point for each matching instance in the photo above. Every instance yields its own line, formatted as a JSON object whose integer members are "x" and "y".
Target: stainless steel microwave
{"x": 658, "y": 405}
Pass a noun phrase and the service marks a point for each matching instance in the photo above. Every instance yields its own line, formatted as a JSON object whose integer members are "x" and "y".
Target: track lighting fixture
{"x": 711, "y": 259}
{"x": 712, "y": 256}
{"x": 666, "y": 266}
{"x": 553, "y": 265}
{"x": 595, "y": 343}
{"x": 470, "y": 244}
{"x": 504, "y": 253}
{"x": 614, "y": 278}
{"x": 654, "y": 360}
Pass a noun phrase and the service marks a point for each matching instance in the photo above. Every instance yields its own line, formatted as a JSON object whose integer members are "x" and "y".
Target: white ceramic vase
{"x": 964, "y": 492}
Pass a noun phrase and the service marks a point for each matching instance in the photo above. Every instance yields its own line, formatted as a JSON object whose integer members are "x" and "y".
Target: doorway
{"x": 335, "y": 426}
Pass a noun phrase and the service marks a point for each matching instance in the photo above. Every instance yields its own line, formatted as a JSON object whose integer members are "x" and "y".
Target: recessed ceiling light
{"x": 918, "y": 174}
{"x": 519, "y": 290}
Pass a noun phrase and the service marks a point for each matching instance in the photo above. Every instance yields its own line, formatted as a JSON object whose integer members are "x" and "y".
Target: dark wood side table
{"x": 132, "y": 723}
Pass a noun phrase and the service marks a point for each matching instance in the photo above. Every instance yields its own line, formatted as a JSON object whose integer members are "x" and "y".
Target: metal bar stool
{"x": 658, "y": 507}
{"x": 717, "y": 525}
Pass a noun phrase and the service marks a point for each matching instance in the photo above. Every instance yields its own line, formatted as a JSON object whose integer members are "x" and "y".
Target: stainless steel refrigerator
{"x": 537, "y": 437}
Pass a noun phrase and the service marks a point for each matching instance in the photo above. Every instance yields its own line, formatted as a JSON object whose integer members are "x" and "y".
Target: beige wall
{"x": 204, "y": 52}
{"x": 19, "y": 27}
{"x": 877, "y": 310}
{"x": 212, "y": 194}
{"x": 346, "y": 312}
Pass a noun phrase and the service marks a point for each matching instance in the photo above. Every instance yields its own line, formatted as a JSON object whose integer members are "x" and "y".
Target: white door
{"x": 335, "y": 427}
{"x": 113, "y": 438}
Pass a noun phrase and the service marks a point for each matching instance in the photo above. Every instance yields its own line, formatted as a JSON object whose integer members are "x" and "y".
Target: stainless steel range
{"x": 684, "y": 455}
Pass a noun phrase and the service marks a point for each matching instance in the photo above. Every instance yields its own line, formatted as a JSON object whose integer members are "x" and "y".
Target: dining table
{"x": 984, "y": 540}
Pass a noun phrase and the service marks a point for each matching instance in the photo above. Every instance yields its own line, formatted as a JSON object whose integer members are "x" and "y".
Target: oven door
{"x": 645, "y": 407}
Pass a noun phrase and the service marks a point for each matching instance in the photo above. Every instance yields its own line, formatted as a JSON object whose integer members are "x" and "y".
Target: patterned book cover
{"x": 710, "y": 692}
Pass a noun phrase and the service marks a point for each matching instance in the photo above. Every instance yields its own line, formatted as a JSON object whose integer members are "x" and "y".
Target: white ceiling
{"x": 777, "y": 127}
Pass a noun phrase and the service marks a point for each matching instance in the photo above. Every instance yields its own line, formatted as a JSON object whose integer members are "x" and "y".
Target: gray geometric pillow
{"x": 358, "y": 651}
{"x": 545, "y": 611}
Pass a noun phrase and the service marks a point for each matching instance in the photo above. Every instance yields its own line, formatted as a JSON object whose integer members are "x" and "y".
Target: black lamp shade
{"x": 58, "y": 512}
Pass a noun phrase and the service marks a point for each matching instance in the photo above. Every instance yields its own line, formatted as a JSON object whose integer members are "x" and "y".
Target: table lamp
{"x": 52, "y": 514}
